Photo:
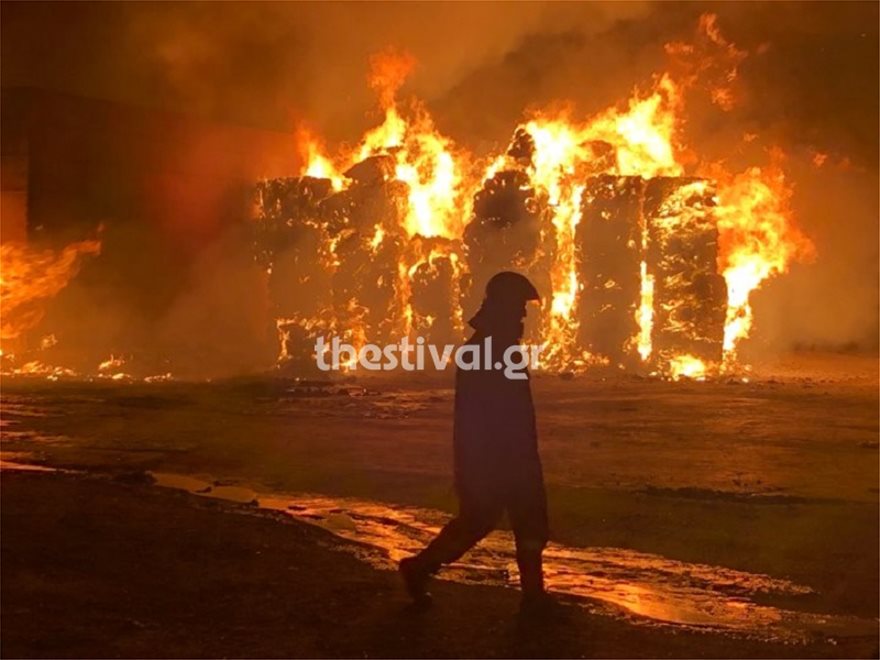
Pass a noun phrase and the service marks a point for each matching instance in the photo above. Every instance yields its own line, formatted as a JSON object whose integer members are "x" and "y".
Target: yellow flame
{"x": 687, "y": 366}
{"x": 645, "y": 313}
{"x": 376, "y": 241}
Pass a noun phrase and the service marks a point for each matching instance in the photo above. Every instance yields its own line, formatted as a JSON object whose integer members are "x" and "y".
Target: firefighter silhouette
{"x": 497, "y": 467}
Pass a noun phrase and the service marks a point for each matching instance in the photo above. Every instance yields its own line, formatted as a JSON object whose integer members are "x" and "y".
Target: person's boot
{"x": 416, "y": 578}
{"x": 535, "y": 602}
{"x": 531, "y": 572}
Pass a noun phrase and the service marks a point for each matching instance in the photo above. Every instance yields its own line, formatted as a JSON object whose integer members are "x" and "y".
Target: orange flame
{"x": 709, "y": 62}
{"x": 30, "y": 277}
{"x": 389, "y": 69}
{"x": 757, "y": 240}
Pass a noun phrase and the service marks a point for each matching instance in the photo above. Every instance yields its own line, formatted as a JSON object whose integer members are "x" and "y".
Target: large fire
{"x": 629, "y": 160}
{"x": 756, "y": 236}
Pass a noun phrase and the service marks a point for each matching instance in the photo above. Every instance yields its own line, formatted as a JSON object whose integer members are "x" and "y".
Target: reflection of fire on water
{"x": 610, "y": 581}
{"x": 646, "y": 267}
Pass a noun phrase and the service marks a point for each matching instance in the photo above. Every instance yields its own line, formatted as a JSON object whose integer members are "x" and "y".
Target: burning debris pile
{"x": 645, "y": 266}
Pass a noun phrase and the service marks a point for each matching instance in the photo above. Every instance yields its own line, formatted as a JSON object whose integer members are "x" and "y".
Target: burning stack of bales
{"x": 690, "y": 297}
{"x": 506, "y": 233}
{"x": 645, "y": 251}
{"x": 609, "y": 236}
{"x": 648, "y": 252}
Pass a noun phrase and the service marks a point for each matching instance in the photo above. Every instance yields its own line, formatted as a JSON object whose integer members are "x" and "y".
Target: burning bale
{"x": 506, "y": 233}
{"x": 434, "y": 291}
{"x": 648, "y": 263}
{"x": 610, "y": 239}
{"x": 340, "y": 261}
{"x": 289, "y": 240}
{"x": 363, "y": 223}
{"x": 689, "y": 295}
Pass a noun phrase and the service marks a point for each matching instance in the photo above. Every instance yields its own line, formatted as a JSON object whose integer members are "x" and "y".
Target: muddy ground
{"x": 689, "y": 519}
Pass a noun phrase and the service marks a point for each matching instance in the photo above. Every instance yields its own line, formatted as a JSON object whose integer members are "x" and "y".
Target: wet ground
{"x": 646, "y": 588}
{"x": 744, "y": 513}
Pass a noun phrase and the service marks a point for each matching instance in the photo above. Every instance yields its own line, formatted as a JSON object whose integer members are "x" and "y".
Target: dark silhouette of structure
{"x": 497, "y": 467}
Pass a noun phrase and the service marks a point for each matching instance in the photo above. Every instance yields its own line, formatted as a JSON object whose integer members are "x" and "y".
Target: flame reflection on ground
{"x": 646, "y": 588}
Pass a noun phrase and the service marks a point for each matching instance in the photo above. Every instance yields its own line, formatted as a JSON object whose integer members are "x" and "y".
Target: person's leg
{"x": 527, "y": 507}
{"x": 474, "y": 521}
{"x": 529, "y": 560}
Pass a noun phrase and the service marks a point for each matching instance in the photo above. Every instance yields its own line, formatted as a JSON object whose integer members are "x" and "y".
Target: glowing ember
{"x": 37, "y": 368}
{"x": 111, "y": 364}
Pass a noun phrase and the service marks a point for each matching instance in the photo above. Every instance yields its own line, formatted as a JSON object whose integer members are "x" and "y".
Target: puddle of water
{"x": 643, "y": 587}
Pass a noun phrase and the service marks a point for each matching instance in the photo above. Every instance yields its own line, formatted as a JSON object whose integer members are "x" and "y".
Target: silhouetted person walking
{"x": 497, "y": 467}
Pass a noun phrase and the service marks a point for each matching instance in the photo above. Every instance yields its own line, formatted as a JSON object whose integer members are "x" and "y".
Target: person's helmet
{"x": 511, "y": 287}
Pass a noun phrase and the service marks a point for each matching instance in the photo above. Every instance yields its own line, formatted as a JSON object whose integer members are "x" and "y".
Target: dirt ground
{"x": 97, "y": 569}
{"x": 673, "y": 506}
